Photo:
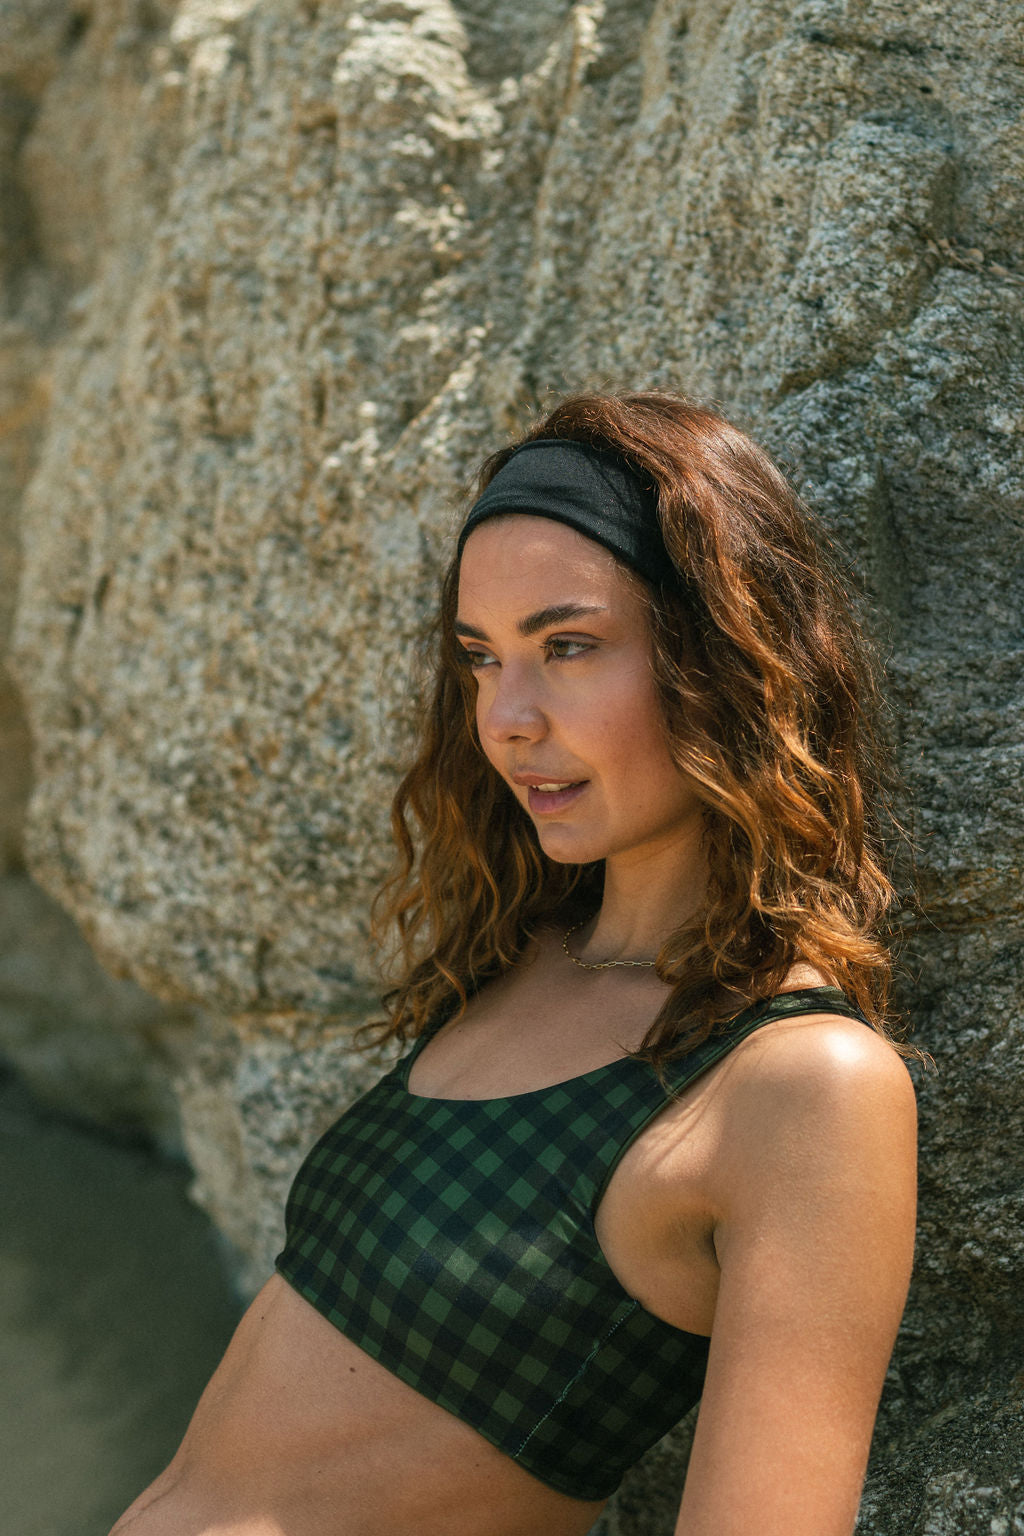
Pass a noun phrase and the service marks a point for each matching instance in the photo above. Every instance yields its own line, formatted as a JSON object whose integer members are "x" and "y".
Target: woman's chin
{"x": 564, "y": 846}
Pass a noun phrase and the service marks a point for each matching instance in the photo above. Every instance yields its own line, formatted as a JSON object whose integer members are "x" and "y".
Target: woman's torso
{"x": 301, "y": 1432}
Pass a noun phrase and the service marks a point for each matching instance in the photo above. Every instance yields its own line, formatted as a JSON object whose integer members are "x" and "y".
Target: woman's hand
{"x": 814, "y": 1200}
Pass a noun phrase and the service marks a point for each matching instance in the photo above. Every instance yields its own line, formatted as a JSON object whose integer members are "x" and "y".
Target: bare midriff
{"x": 300, "y": 1433}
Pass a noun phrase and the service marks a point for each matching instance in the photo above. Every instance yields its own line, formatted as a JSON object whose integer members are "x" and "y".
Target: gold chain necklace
{"x": 601, "y": 965}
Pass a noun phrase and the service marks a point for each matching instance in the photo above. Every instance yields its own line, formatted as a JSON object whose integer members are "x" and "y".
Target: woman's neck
{"x": 647, "y": 895}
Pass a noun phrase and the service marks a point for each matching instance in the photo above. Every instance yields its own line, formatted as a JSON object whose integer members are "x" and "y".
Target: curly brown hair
{"x": 767, "y": 687}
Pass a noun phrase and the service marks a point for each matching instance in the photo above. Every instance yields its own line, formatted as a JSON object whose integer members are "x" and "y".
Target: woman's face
{"x": 566, "y": 707}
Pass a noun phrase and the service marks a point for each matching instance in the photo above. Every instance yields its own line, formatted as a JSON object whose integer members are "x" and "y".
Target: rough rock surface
{"x": 90, "y": 1046}
{"x": 319, "y": 260}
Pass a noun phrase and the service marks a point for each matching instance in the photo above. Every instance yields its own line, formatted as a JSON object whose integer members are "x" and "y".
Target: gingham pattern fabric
{"x": 453, "y": 1240}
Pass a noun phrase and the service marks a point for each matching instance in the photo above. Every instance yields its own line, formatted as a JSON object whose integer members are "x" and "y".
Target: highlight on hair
{"x": 770, "y": 706}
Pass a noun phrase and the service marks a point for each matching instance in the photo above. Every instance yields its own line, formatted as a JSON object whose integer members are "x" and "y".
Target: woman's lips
{"x": 545, "y": 802}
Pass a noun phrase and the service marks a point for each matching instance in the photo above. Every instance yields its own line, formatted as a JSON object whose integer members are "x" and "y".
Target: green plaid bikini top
{"x": 453, "y": 1240}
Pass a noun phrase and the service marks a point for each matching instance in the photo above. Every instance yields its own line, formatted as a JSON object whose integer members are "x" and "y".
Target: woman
{"x": 652, "y": 1142}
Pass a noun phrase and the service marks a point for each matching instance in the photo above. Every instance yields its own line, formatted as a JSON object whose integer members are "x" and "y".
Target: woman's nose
{"x": 513, "y": 708}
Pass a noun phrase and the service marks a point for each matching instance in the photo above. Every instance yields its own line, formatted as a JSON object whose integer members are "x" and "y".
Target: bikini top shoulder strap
{"x": 731, "y": 1031}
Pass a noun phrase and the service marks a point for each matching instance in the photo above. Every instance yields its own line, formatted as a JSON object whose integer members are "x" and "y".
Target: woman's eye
{"x": 474, "y": 659}
{"x": 558, "y": 648}
{"x": 565, "y": 649}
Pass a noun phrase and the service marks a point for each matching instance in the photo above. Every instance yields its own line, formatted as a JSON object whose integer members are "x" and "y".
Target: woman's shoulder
{"x": 818, "y": 1052}
{"x": 813, "y": 1087}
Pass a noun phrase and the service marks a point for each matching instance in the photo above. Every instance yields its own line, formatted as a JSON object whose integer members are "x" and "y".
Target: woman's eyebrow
{"x": 558, "y": 613}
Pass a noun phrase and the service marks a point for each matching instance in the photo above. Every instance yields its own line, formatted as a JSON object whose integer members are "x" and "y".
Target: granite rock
{"x": 94, "y": 1048}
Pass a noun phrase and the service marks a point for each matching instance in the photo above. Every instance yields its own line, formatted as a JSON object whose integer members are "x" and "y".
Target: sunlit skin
{"x": 771, "y": 1206}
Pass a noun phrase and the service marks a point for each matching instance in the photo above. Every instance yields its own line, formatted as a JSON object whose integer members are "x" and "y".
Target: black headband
{"x": 592, "y": 489}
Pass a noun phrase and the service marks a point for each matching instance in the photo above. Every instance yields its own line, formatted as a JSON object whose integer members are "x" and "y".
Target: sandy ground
{"x": 114, "y": 1311}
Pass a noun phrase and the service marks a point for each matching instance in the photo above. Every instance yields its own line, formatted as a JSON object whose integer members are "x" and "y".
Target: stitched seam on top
{"x": 577, "y": 1374}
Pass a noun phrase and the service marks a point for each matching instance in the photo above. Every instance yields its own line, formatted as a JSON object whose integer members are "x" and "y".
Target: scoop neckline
{"x": 403, "y": 1068}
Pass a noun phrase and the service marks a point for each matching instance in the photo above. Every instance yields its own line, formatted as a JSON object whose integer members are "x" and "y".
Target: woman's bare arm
{"x": 814, "y": 1198}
